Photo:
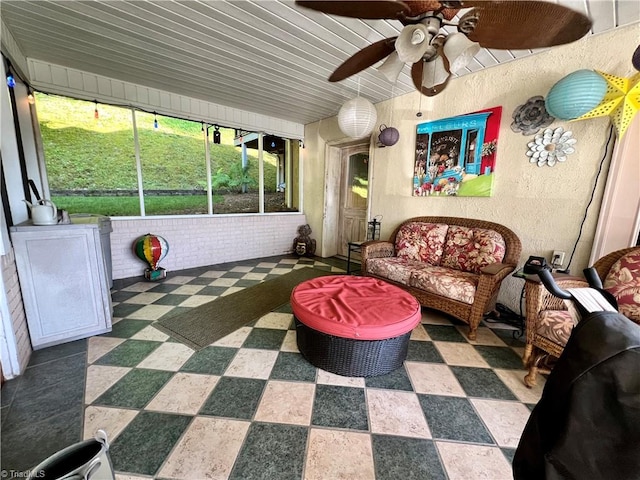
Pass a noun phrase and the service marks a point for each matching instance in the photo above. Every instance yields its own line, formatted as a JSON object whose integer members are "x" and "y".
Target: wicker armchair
{"x": 488, "y": 281}
{"x": 550, "y": 320}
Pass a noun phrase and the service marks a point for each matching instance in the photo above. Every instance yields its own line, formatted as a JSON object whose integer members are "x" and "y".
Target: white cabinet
{"x": 63, "y": 279}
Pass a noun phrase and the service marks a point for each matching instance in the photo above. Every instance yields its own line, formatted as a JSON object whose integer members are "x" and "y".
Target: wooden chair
{"x": 550, "y": 320}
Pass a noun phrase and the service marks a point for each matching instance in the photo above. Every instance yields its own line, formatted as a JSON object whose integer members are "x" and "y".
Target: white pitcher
{"x": 43, "y": 212}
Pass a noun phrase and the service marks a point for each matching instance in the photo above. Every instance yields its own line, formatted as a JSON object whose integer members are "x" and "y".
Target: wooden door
{"x": 354, "y": 195}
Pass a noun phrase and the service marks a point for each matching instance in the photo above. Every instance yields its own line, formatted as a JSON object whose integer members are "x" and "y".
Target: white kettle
{"x": 43, "y": 212}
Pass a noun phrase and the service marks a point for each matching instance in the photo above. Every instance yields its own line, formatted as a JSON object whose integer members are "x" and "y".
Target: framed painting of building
{"x": 456, "y": 156}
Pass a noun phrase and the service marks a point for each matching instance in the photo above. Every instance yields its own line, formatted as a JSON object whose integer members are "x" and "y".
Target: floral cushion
{"x": 445, "y": 282}
{"x": 623, "y": 282}
{"x": 421, "y": 241}
{"x": 488, "y": 248}
{"x": 394, "y": 268}
{"x": 459, "y": 242}
{"x": 556, "y": 325}
{"x": 470, "y": 250}
{"x": 441, "y": 281}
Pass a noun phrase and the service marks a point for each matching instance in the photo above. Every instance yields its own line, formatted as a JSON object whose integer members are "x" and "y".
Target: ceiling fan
{"x": 435, "y": 54}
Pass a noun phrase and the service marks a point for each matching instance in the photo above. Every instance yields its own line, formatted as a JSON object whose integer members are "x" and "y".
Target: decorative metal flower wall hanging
{"x": 531, "y": 117}
{"x": 551, "y": 146}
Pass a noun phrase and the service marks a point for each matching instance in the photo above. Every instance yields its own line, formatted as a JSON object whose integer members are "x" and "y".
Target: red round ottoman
{"x": 353, "y": 326}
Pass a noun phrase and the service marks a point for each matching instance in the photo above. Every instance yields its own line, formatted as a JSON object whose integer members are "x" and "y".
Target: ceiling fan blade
{"x": 364, "y": 58}
{"x": 418, "y": 7}
{"x": 524, "y": 24}
{"x": 372, "y": 9}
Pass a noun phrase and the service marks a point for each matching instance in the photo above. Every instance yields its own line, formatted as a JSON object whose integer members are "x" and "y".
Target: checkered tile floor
{"x": 250, "y": 407}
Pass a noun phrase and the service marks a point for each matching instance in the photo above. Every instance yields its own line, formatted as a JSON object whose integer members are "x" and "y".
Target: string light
{"x": 31, "y": 99}
{"x": 11, "y": 83}
{"x": 96, "y": 114}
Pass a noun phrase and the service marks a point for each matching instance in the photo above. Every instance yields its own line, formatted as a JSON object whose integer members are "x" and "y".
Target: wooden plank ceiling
{"x": 266, "y": 56}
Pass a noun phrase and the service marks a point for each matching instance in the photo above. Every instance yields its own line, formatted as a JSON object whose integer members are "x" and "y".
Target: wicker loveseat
{"x": 454, "y": 265}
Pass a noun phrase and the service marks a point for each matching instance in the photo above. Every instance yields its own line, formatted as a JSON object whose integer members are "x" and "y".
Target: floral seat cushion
{"x": 441, "y": 281}
{"x": 470, "y": 250}
{"x": 623, "y": 282}
{"x": 556, "y": 325}
{"x": 396, "y": 269}
{"x": 445, "y": 282}
{"x": 421, "y": 241}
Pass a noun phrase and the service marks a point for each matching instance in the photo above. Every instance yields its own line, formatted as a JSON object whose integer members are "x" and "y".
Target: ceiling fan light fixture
{"x": 391, "y": 67}
{"x": 459, "y": 50}
{"x": 412, "y": 43}
{"x": 493, "y": 24}
{"x": 434, "y": 73}
{"x": 417, "y": 37}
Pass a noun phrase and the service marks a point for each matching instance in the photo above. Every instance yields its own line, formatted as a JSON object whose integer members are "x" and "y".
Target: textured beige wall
{"x": 543, "y": 205}
{"x": 313, "y": 169}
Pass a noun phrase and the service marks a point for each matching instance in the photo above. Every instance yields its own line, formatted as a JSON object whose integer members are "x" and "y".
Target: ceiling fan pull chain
{"x": 393, "y": 96}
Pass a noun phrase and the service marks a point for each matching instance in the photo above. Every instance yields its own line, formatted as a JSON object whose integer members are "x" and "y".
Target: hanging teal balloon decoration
{"x": 576, "y": 94}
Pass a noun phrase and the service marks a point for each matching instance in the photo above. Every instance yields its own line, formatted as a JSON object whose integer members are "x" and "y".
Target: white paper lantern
{"x": 357, "y": 117}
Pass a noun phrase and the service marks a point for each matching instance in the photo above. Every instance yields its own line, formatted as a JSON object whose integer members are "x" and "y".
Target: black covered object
{"x": 587, "y": 423}
{"x": 535, "y": 264}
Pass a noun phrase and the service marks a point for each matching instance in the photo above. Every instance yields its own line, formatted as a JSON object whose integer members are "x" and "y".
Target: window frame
{"x": 210, "y": 193}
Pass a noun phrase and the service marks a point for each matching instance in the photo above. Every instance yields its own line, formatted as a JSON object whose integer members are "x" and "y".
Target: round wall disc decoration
{"x": 531, "y": 117}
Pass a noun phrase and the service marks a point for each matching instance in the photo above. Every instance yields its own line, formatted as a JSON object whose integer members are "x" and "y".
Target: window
{"x": 93, "y": 165}
{"x": 173, "y": 165}
{"x": 91, "y": 162}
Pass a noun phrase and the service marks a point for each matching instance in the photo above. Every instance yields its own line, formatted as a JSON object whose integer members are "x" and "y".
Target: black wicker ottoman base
{"x": 349, "y": 357}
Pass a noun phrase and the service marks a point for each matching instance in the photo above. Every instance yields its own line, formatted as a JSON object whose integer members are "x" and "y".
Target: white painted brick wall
{"x": 201, "y": 241}
{"x": 16, "y": 308}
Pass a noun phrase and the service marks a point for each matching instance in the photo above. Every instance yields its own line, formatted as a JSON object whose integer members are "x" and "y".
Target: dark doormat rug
{"x": 201, "y": 326}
